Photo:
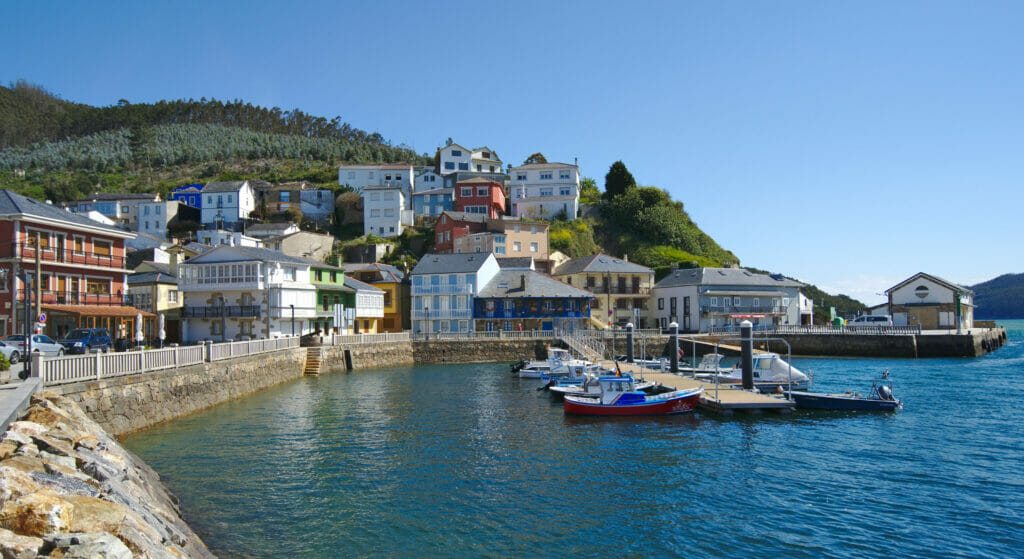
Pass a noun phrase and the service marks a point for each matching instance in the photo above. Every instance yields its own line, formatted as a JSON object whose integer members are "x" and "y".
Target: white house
{"x": 453, "y": 158}
{"x": 544, "y": 190}
{"x": 153, "y": 217}
{"x": 484, "y": 160}
{"x": 317, "y": 204}
{"x": 702, "y": 299}
{"x": 931, "y": 302}
{"x": 220, "y": 237}
{"x": 233, "y": 293}
{"x": 365, "y": 176}
{"x": 369, "y": 306}
{"x": 225, "y": 204}
{"x": 444, "y": 287}
{"x": 384, "y": 211}
{"x": 266, "y": 230}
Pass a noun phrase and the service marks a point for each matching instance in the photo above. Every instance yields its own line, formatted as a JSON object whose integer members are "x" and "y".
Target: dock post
{"x": 747, "y": 353}
{"x": 629, "y": 342}
{"x": 673, "y": 345}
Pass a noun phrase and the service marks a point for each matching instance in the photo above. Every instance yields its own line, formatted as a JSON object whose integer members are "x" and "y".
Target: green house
{"x": 330, "y": 290}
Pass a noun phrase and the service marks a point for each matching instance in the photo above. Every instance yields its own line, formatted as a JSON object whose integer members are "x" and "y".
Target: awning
{"x": 741, "y": 293}
{"x": 97, "y": 310}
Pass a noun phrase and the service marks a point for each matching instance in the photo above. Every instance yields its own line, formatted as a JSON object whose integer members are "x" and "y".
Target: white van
{"x": 870, "y": 321}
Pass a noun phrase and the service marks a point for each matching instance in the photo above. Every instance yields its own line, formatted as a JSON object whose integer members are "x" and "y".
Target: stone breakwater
{"x": 68, "y": 489}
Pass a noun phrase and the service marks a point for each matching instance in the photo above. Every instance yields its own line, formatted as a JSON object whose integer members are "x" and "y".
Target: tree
{"x": 590, "y": 194}
{"x": 618, "y": 180}
{"x": 535, "y": 158}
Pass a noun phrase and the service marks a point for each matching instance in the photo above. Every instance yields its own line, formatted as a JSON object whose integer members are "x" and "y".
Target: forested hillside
{"x": 1002, "y": 297}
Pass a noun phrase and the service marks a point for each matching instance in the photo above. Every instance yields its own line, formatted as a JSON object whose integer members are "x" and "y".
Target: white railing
{"x": 825, "y": 329}
{"x": 495, "y": 335}
{"x": 76, "y": 368}
{"x": 359, "y": 339}
{"x": 423, "y": 314}
{"x": 587, "y": 347}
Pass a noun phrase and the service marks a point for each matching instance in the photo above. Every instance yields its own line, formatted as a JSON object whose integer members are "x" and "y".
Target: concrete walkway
{"x": 14, "y": 399}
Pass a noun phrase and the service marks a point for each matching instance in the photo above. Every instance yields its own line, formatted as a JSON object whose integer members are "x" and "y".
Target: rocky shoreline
{"x": 69, "y": 489}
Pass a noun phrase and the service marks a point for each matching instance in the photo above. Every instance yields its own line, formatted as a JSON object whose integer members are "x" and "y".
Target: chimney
{"x": 522, "y": 282}
{"x": 174, "y": 264}
{"x": 625, "y": 258}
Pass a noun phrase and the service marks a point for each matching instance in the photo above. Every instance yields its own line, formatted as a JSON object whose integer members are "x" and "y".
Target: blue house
{"x": 190, "y": 195}
{"x": 519, "y": 298}
{"x": 431, "y": 203}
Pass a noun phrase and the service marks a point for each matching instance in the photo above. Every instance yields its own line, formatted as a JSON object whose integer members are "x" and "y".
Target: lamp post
{"x": 426, "y": 317}
{"x": 293, "y": 319}
{"x": 24, "y": 374}
{"x": 223, "y": 320}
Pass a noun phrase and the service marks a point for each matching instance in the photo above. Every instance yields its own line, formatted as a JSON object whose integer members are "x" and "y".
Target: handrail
{"x": 752, "y": 339}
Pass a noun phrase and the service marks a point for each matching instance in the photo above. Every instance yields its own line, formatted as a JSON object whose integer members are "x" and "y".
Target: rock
{"x": 14, "y": 546}
{"x": 27, "y": 428}
{"x": 53, "y": 445}
{"x": 24, "y": 463}
{"x": 37, "y": 514}
{"x": 88, "y": 545}
{"x": 15, "y": 484}
{"x": 63, "y": 484}
{"x": 27, "y": 450}
{"x": 7, "y": 448}
{"x": 17, "y": 438}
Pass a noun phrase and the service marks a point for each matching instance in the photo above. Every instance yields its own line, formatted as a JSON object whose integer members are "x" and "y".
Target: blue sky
{"x": 846, "y": 144}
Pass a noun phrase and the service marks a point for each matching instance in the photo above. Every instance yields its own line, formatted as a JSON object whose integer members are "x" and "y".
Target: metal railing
{"x": 78, "y": 368}
{"x": 587, "y": 347}
{"x": 65, "y": 255}
{"x": 824, "y": 330}
{"x": 493, "y": 335}
{"x": 445, "y": 289}
{"x": 422, "y": 314}
{"x": 215, "y": 311}
{"x": 52, "y": 297}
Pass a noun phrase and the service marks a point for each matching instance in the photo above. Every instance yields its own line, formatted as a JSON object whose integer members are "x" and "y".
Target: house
{"x": 155, "y": 216}
{"x": 704, "y": 299}
{"x": 384, "y": 212}
{"x": 157, "y": 292}
{"x": 239, "y": 292}
{"x": 397, "y": 175}
{"x": 524, "y": 299}
{"x": 333, "y": 299}
{"x": 452, "y": 225}
{"x": 82, "y": 269}
{"x": 265, "y": 230}
{"x": 316, "y": 204}
{"x": 622, "y": 288}
{"x": 480, "y": 196}
{"x": 452, "y": 158}
{"x": 220, "y": 237}
{"x": 544, "y": 190}
{"x": 154, "y": 254}
{"x": 506, "y": 237}
{"x": 227, "y": 205}
{"x": 143, "y": 241}
{"x": 190, "y": 195}
{"x": 396, "y": 292}
{"x": 427, "y": 178}
{"x": 431, "y": 204}
{"x": 369, "y": 307}
{"x": 443, "y": 289}
{"x": 303, "y": 244}
{"x": 122, "y": 208}
{"x": 931, "y": 302}
{"x": 367, "y": 253}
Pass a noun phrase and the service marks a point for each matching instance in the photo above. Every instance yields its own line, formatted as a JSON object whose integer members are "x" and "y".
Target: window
{"x": 172, "y": 296}
{"x": 387, "y": 177}
{"x": 482, "y": 191}
{"x": 289, "y": 273}
{"x": 533, "y": 229}
{"x": 520, "y": 176}
{"x": 467, "y": 191}
{"x": 545, "y": 192}
{"x": 229, "y": 198}
{"x": 563, "y": 174}
{"x": 785, "y": 301}
{"x": 374, "y": 212}
{"x": 463, "y": 166}
{"x": 499, "y": 250}
{"x": 736, "y": 301}
{"x": 286, "y": 196}
{"x": 101, "y": 248}
{"x": 44, "y": 239}
{"x": 517, "y": 246}
{"x": 334, "y": 276}
{"x": 533, "y": 247}
{"x": 449, "y": 165}
{"x": 564, "y": 191}
{"x": 215, "y": 328}
{"x": 545, "y": 175}
{"x": 754, "y": 302}
{"x": 97, "y": 286}
{"x": 391, "y": 229}
{"x": 661, "y": 303}
{"x": 209, "y": 199}
{"x": 375, "y": 196}
{"x": 515, "y": 228}
{"x": 156, "y": 210}
{"x": 456, "y": 153}
{"x": 714, "y": 301}
{"x": 124, "y": 209}
{"x": 145, "y": 210}
{"x": 319, "y": 275}
{"x": 389, "y": 212}
{"x": 398, "y": 177}
{"x": 479, "y": 167}
{"x": 499, "y": 239}
{"x": 78, "y": 245}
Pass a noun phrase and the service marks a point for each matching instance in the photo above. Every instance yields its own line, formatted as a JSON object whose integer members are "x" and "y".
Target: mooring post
{"x": 629, "y": 342}
{"x": 747, "y": 353}
{"x": 673, "y": 346}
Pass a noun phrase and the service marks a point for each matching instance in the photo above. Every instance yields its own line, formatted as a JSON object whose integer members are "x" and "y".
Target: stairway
{"x": 312, "y": 361}
{"x": 587, "y": 348}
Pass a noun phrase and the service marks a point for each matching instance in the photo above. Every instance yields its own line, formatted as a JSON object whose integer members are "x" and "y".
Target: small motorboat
{"x": 539, "y": 369}
{"x": 771, "y": 373}
{"x": 589, "y": 386}
{"x": 879, "y": 399}
{"x": 619, "y": 396}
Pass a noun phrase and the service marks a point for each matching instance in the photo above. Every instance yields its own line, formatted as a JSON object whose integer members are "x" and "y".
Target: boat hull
{"x": 684, "y": 403}
{"x": 842, "y": 402}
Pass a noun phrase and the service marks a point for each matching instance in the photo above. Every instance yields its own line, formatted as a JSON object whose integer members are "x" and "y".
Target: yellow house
{"x": 621, "y": 288}
{"x": 391, "y": 280}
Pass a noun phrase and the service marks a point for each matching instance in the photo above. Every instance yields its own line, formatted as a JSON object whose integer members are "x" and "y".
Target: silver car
{"x": 11, "y": 352}
{"x": 40, "y": 343}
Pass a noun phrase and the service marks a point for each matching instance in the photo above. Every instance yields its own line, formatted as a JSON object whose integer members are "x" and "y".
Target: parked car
{"x": 11, "y": 352}
{"x": 870, "y": 321}
{"x": 87, "y": 340}
{"x": 40, "y": 343}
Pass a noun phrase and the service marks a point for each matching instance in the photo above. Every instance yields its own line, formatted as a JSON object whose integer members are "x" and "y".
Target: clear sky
{"x": 847, "y": 144}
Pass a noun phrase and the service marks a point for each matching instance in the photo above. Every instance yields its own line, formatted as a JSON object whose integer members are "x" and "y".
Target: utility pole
{"x": 39, "y": 276}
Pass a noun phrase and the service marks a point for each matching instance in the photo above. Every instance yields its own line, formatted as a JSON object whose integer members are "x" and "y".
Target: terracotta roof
{"x": 96, "y": 310}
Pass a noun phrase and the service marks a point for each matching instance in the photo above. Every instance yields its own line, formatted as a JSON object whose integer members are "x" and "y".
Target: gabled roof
{"x": 386, "y": 272}
{"x": 451, "y": 263}
{"x": 119, "y": 196}
{"x": 229, "y": 186}
{"x": 541, "y": 166}
{"x": 250, "y": 253}
{"x": 152, "y": 277}
{"x": 455, "y": 146}
{"x": 14, "y": 205}
{"x": 936, "y": 279}
{"x": 374, "y": 166}
{"x": 516, "y": 262}
{"x": 448, "y": 190}
{"x": 480, "y": 180}
{"x": 465, "y": 216}
{"x": 353, "y": 283}
{"x": 294, "y": 233}
{"x": 601, "y": 263}
{"x": 528, "y": 283}
{"x": 725, "y": 276}
{"x": 322, "y": 265}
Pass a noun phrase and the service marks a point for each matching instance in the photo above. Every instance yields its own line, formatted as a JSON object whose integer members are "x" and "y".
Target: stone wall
{"x": 365, "y": 356}
{"x": 478, "y": 351}
{"x": 130, "y": 403}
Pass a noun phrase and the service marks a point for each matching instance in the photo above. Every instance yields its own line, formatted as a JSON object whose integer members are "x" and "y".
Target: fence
{"x": 76, "y": 368}
{"x": 495, "y": 335}
{"x": 358, "y": 339}
{"x": 825, "y": 330}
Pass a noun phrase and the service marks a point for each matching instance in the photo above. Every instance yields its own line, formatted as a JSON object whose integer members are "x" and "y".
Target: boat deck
{"x": 726, "y": 401}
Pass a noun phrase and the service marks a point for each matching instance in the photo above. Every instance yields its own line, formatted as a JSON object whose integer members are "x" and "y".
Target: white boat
{"x": 590, "y": 386}
{"x": 552, "y": 365}
{"x": 771, "y": 372}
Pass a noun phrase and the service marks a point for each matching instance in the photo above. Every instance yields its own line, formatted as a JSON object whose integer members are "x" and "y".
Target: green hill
{"x": 1002, "y": 297}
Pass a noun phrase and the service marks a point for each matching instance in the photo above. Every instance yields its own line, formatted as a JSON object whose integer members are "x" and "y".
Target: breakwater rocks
{"x": 68, "y": 489}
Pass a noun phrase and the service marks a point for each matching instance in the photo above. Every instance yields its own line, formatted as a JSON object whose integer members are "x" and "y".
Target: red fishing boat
{"x": 618, "y": 396}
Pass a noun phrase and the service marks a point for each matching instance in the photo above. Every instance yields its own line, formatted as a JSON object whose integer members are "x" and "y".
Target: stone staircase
{"x": 312, "y": 361}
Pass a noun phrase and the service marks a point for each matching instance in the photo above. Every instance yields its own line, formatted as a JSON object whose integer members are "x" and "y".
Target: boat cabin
{"x": 619, "y": 390}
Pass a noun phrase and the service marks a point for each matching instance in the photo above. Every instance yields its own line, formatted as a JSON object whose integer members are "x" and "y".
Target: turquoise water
{"x": 466, "y": 461}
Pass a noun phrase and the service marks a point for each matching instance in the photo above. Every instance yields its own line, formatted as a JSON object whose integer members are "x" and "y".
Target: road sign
{"x": 42, "y": 317}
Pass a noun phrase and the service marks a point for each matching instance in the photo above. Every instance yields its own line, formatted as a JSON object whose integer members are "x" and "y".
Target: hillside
{"x": 1002, "y": 297}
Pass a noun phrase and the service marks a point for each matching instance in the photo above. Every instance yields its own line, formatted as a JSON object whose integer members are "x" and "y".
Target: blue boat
{"x": 879, "y": 399}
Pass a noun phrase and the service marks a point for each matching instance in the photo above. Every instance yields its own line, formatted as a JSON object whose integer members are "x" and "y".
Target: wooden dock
{"x": 727, "y": 401}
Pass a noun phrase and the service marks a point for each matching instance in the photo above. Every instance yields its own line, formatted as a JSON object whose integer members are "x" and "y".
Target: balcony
{"x": 520, "y": 313}
{"x": 450, "y": 289}
{"x": 726, "y": 309}
{"x": 229, "y": 311}
{"x": 50, "y": 255}
{"x": 68, "y": 298}
{"x": 616, "y": 290}
{"x": 424, "y": 314}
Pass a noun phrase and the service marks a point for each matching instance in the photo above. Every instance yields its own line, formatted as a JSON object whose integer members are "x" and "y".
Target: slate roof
{"x": 318, "y": 264}
{"x": 600, "y": 263}
{"x": 509, "y": 284}
{"x": 516, "y": 262}
{"x": 936, "y": 279}
{"x": 16, "y": 204}
{"x": 387, "y": 272}
{"x": 390, "y": 166}
{"x": 439, "y": 190}
{"x": 549, "y": 165}
{"x": 479, "y": 180}
{"x": 229, "y": 186}
{"x": 118, "y": 196}
{"x": 465, "y": 216}
{"x": 270, "y": 226}
{"x": 450, "y": 263}
{"x": 725, "y": 276}
{"x": 260, "y": 254}
{"x": 151, "y": 277}
{"x": 353, "y": 283}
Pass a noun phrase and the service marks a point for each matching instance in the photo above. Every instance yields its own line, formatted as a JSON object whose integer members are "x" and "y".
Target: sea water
{"x": 466, "y": 460}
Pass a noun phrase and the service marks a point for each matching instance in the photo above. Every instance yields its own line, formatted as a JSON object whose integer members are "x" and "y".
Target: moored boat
{"x": 880, "y": 398}
{"x": 619, "y": 396}
{"x": 771, "y": 372}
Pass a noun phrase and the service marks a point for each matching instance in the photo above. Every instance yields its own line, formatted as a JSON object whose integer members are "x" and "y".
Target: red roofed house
{"x": 452, "y": 225}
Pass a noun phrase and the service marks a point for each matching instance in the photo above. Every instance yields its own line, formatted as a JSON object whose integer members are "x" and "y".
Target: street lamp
{"x": 223, "y": 313}
{"x": 293, "y": 319}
